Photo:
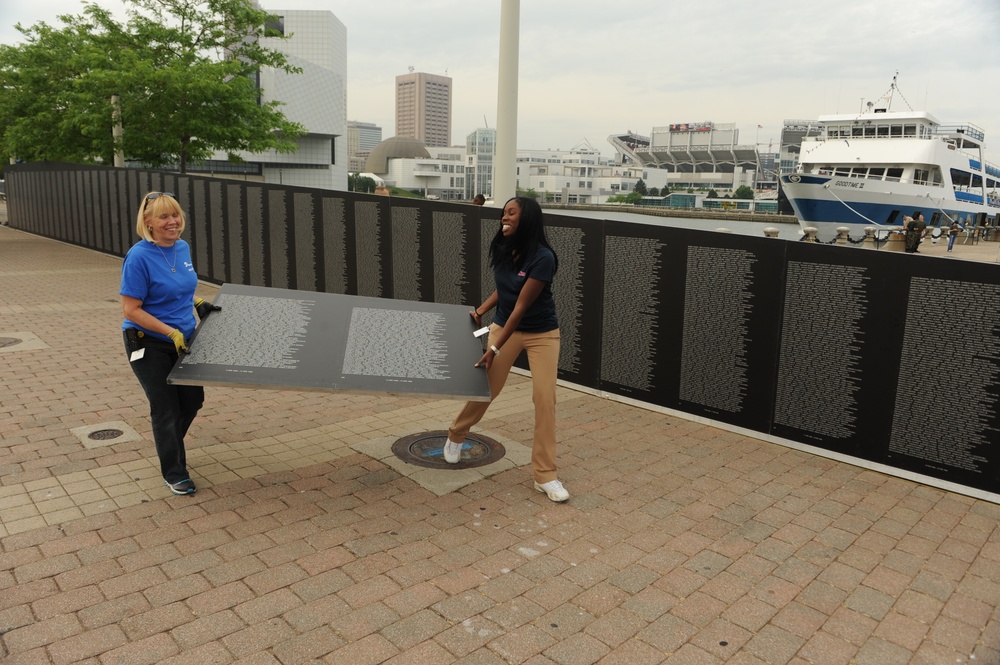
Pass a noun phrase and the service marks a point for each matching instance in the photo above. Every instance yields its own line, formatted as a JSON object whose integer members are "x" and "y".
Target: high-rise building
{"x": 362, "y": 137}
{"x": 480, "y": 147}
{"x": 423, "y": 108}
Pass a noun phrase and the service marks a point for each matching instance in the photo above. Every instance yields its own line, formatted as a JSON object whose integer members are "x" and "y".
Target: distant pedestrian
{"x": 478, "y": 200}
{"x": 953, "y": 232}
{"x": 915, "y": 230}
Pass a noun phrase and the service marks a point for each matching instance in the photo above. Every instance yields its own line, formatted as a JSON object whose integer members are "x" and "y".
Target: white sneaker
{"x": 452, "y": 452}
{"x": 554, "y": 489}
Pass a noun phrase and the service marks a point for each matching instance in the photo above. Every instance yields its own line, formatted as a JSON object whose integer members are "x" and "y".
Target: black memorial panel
{"x": 304, "y": 233}
{"x": 372, "y": 248}
{"x": 639, "y": 283}
{"x": 335, "y": 277}
{"x": 840, "y": 326}
{"x": 217, "y": 231}
{"x": 255, "y": 234}
{"x": 456, "y": 260}
{"x": 279, "y": 247}
{"x": 235, "y": 240}
{"x": 945, "y": 417}
{"x": 579, "y": 244}
{"x": 729, "y": 339}
{"x": 412, "y": 258}
{"x": 279, "y": 338}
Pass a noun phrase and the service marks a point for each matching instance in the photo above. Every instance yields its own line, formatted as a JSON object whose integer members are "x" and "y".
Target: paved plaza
{"x": 309, "y": 542}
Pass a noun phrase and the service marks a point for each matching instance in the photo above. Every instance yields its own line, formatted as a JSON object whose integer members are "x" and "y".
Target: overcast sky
{"x": 591, "y": 68}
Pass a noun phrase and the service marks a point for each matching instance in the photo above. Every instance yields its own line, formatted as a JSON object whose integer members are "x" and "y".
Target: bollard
{"x": 770, "y": 232}
{"x": 870, "y": 239}
{"x": 810, "y": 233}
{"x": 842, "y": 235}
{"x": 897, "y": 239}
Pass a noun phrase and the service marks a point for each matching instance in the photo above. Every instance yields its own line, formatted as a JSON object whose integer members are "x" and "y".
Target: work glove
{"x": 204, "y": 308}
{"x": 177, "y": 337}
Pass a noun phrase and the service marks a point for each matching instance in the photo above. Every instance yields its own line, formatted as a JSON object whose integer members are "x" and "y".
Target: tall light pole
{"x": 505, "y": 164}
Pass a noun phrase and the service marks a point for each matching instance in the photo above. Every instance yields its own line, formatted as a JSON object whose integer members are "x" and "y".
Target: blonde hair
{"x": 161, "y": 203}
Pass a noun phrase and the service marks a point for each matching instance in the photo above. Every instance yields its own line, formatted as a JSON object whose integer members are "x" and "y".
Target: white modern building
{"x": 436, "y": 172}
{"x": 578, "y": 175}
{"x": 316, "y": 98}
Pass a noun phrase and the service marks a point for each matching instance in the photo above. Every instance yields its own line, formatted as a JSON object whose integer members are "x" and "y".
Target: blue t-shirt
{"x": 169, "y": 296}
{"x": 541, "y": 314}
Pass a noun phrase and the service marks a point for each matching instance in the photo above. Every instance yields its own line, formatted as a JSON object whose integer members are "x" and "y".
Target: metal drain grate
{"x": 105, "y": 434}
{"x": 427, "y": 449}
{"x": 9, "y": 341}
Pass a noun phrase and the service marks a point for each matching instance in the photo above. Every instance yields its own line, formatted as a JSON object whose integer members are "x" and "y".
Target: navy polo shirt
{"x": 541, "y": 314}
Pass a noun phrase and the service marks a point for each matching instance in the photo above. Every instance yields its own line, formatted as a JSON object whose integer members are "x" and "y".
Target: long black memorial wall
{"x": 878, "y": 356}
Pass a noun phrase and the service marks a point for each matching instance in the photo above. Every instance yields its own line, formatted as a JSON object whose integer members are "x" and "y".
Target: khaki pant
{"x": 543, "y": 361}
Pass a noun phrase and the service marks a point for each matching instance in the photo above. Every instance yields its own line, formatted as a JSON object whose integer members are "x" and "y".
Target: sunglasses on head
{"x": 156, "y": 195}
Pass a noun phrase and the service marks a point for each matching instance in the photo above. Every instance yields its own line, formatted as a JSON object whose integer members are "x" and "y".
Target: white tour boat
{"x": 873, "y": 168}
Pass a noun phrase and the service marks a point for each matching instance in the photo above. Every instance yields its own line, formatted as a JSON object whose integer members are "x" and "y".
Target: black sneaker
{"x": 185, "y": 486}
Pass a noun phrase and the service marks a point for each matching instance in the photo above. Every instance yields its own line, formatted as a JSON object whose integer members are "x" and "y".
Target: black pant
{"x": 171, "y": 408}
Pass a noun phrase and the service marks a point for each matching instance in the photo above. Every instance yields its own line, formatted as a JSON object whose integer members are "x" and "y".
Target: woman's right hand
{"x": 477, "y": 317}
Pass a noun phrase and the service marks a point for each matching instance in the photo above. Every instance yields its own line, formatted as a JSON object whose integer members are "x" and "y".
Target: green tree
{"x": 184, "y": 73}
{"x": 360, "y": 183}
{"x": 530, "y": 193}
{"x": 743, "y": 192}
{"x": 712, "y": 194}
{"x": 640, "y": 187}
{"x": 653, "y": 191}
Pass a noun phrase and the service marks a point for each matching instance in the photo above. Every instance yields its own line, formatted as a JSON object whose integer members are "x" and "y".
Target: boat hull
{"x": 828, "y": 202}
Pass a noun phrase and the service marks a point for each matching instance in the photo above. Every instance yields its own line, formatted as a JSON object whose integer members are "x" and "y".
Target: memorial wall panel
{"x": 454, "y": 262}
{"x": 256, "y": 233}
{"x": 335, "y": 252}
{"x": 945, "y": 417}
{"x": 278, "y": 238}
{"x": 373, "y": 252}
{"x": 840, "y": 326}
{"x": 409, "y": 268}
{"x": 304, "y": 226}
{"x": 634, "y": 291}
{"x": 235, "y": 239}
{"x": 579, "y": 245}
{"x": 281, "y": 338}
{"x": 729, "y": 338}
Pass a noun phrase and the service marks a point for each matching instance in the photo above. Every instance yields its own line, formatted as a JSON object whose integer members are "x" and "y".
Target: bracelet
{"x": 477, "y": 312}
{"x": 495, "y": 350}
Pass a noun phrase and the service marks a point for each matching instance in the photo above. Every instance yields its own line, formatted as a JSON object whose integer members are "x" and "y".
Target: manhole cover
{"x": 105, "y": 434}
{"x": 9, "y": 341}
{"x": 427, "y": 449}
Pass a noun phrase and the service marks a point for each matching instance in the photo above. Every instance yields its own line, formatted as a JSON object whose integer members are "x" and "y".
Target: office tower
{"x": 362, "y": 137}
{"x": 423, "y": 108}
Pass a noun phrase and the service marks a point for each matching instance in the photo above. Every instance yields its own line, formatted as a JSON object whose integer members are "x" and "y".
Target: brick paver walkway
{"x": 682, "y": 543}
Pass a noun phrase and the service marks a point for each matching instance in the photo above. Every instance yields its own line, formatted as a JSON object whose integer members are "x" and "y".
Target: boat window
{"x": 882, "y": 131}
{"x": 892, "y": 217}
{"x": 920, "y": 176}
{"x": 869, "y": 132}
{"x": 909, "y": 130}
{"x": 936, "y": 219}
{"x": 896, "y": 130}
{"x": 876, "y": 172}
{"x": 842, "y": 171}
{"x": 859, "y": 171}
{"x": 857, "y": 131}
{"x": 977, "y": 181}
{"x": 893, "y": 174}
{"x": 960, "y": 179}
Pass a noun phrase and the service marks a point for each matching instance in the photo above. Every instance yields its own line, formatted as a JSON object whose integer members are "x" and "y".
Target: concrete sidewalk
{"x": 308, "y": 542}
